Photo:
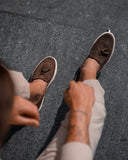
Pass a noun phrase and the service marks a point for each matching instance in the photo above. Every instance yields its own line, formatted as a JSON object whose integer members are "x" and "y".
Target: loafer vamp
{"x": 45, "y": 70}
{"x": 102, "y": 49}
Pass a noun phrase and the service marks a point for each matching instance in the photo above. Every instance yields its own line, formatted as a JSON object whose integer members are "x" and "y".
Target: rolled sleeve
{"x": 21, "y": 85}
{"x": 76, "y": 151}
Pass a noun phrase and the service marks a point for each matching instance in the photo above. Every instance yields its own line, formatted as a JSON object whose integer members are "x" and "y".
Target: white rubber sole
{"x": 113, "y": 45}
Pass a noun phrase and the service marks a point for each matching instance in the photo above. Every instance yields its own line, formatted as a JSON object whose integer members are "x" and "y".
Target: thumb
{"x": 65, "y": 93}
{"x": 27, "y": 121}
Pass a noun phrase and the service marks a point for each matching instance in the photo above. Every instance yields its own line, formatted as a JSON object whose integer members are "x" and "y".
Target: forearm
{"x": 77, "y": 144}
{"x": 78, "y": 129}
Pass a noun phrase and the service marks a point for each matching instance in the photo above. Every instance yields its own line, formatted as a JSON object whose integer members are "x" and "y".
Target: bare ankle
{"x": 86, "y": 75}
{"x": 37, "y": 90}
{"x": 89, "y": 70}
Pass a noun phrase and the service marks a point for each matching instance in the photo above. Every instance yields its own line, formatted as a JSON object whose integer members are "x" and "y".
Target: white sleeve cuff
{"x": 76, "y": 151}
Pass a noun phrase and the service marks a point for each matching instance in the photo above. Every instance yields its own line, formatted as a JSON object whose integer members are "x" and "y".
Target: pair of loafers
{"x": 101, "y": 51}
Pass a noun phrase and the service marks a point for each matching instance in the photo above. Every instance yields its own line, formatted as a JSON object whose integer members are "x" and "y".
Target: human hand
{"x": 23, "y": 112}
{"x": 79, "y": 97}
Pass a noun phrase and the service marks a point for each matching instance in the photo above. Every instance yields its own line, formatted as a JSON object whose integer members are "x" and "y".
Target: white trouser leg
{"x": 21, "y": 84}
{"x": 95, "y": 129}
{"x": 98, "y": 114}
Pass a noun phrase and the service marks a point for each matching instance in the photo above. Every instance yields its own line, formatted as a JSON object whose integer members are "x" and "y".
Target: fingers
{"x": 27, "y": 121}
{"x": 65, "y": 93}
{"x": 24, "y": 112}
{"x": 66, "y": 96}
{"x": 30, "y": 110}
{"x": 71, "y": 84}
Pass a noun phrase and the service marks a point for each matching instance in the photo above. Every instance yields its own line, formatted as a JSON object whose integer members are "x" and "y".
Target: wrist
{"x": 79, "y": 111}
{"x": 84, "y": 107}
{"x": 80, "y": 118}
{"x": 78, "y": 128}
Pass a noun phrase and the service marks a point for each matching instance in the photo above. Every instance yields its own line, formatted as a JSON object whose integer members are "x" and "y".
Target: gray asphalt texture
{"x": 66, "y": 29}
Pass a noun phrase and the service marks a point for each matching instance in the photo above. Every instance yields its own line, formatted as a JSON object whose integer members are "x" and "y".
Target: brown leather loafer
{"x": 46, "y": 71}
{"x": 101, "y": 51}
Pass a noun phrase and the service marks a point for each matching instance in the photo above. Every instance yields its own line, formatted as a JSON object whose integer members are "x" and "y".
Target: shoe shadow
{"x": 63, "y": 109}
